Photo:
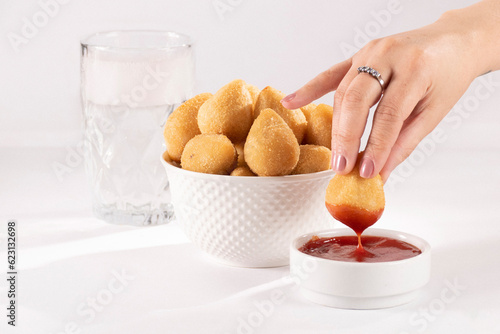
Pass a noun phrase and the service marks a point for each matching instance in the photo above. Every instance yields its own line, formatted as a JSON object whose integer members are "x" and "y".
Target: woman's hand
{"x": 425, "y": 71}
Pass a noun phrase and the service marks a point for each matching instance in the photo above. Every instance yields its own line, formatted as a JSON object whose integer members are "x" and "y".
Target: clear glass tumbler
{"x": 130, "y": 82}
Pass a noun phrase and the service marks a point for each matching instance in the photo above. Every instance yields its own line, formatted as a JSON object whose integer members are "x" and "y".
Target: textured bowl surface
{"x": 358, "y": 285}
{"x": 248, "y": 221}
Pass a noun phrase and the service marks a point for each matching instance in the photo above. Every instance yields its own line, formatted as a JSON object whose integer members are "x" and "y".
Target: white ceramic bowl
{"x": 355, "y": 285}
{"x": 248, "y": 221}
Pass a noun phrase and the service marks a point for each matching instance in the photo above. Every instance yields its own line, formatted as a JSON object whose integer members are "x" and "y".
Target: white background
{"x": 447, "y": 192}
{"x": 277, "y": 43}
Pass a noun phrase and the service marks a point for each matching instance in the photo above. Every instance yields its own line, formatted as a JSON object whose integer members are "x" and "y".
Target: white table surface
{"x": 67, "y": 258}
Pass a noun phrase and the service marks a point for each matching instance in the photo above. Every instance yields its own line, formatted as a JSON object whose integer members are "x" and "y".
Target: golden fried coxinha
{"x": 312, "y": 159}
{"x": 209, "y": 153}
{"x": 254, "y": 92}
{"x": 241, "y": 154}
{"x": 242, "y": 171}
{"x": 271, "y": 148}
{"x": 228, "y": 112}
{"x": 271, "y": 98}
{"x": 355, "y": 201}
{"x": 308, "y": 109}
{"x": 182, "y": 125}
{"x": 319, "y": 124}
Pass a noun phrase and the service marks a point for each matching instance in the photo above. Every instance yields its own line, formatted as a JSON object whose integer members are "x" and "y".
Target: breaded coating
{"x": 312, "y": 159}
{"x": 319, "y": 126}
{"x": 209, "y": 153}
{"x": 308, "y": 109}
{"x": 169, "y": 160}
{"x": 242, "y": 171}
{"x": 270, "y": 98}
{"x": 271, "y": 148}
{"x": 254, "y": 92}
{"x": 182, "y": 125}
{"x": 241, "y": 154}
{"x": 353, "y": 190}
{"x": 355, "y": 201}
{"x": 228, "y": 112}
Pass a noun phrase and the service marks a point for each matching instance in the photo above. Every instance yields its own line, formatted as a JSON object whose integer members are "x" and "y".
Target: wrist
{"x": 475, "y": 29}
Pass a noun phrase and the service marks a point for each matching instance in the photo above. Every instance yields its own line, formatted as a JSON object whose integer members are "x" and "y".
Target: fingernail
{"x": 367, "y": 168}
{"x": 340, "y": 162}
{"x": 288, "y": 98}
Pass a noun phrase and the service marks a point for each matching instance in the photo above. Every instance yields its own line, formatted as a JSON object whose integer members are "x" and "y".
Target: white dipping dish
{"x": 248, "y": 221}
{"x": 360, "y": 285}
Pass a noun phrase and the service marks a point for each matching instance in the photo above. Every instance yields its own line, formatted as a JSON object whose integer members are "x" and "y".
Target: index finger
{"x": 323, "y": 83}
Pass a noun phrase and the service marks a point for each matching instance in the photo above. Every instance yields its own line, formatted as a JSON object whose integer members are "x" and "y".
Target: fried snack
{"x": 241, "y": 154}
{"x": 308, "y": 109}
{"x": 254, "y": 92}
{"x": 271, "y": 149}
{"x": 228, "y": 112}
{"x": 182, "y": 125}
{"x": 242, "y": 171}
{"x": 209, "y": 153}
{"x": 319, "y": 126}
{"x": 355, "y": 201}
{"x": 169, "y": 160}
{"x": 312, "y": 159}
{"x": 270, "y": 98}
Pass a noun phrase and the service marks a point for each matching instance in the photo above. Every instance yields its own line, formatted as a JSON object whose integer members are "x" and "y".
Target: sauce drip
{"x": 345, "y": 248}
{"x": 356, "y": 218}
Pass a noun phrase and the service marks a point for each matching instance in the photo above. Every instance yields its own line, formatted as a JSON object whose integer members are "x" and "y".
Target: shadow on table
{"x": 116, "y": 287}
{"x": 51, "y": 231}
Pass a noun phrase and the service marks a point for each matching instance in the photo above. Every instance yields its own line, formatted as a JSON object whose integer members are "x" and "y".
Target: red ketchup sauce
{"x": 358, "y": 248}
{"x": 345, "y": 248}
{"x": 356, "y": 218}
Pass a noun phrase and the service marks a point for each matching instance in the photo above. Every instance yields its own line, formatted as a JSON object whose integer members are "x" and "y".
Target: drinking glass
{"x": 130, "y": 82}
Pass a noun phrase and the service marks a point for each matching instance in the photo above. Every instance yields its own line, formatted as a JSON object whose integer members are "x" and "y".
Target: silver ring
{"x": 374, "y": 73}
